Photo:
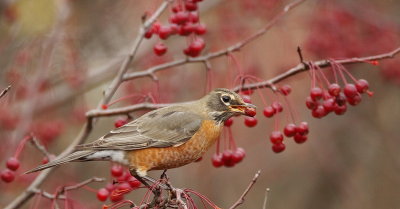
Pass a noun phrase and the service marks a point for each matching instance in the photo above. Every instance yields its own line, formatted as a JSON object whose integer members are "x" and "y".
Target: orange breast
{"x": 172, "y": 157}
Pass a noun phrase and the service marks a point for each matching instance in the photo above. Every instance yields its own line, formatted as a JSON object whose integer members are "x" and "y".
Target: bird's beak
{"x": 245, "y": 109}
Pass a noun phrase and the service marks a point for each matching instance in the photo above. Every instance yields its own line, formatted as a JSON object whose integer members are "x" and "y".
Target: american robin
{"x": 165, "y": 138}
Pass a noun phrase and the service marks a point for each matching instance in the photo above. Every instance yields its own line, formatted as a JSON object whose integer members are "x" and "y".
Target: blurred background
{"x": 60, "y": 55}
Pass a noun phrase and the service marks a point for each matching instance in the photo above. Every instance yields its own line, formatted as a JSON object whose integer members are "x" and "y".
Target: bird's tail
{"x": 76, "y": 156}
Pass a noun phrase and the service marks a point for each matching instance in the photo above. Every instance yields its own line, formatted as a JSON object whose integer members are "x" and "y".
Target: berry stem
{"x": 21, "y": 145}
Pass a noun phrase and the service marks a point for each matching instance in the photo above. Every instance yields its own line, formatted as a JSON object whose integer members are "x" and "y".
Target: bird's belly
{"x": 172, "y": 157}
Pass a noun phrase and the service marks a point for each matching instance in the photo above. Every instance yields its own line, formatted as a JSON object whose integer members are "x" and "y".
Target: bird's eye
{"x": 226, "y": 99}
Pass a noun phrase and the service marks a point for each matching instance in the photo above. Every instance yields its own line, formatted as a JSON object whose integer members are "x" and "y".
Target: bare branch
{"x": 266, "y": 198}
{"x": 264, "y": 84}
{"x": 40, "y": 147}
{"x": 4, "y": 92}
{"x": 67, "y": 188}
{"x": 241, "y": 198}
{"x": 322, "y": 64}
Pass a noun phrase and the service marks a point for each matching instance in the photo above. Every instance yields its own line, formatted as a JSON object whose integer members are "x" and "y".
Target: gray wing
{"x": 158, "y": 128}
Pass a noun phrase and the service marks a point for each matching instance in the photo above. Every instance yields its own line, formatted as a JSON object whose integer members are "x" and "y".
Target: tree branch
{"x": 241, "y": 198}
{"x": 4, "y": 92}
{"x": 264, "y": 84}
{"x": 60, "y": 195}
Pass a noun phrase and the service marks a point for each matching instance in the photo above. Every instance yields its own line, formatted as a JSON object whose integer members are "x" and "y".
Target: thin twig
{"x": 266, "y": 198}
{"x": 40, "y": 147}
{"x": 67, "y": 188}
{"x": 241, "y": 198}
{"x": 4, "y": 92}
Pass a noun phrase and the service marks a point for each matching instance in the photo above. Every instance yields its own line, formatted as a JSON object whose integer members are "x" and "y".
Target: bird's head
{"x": 224, "y": 103}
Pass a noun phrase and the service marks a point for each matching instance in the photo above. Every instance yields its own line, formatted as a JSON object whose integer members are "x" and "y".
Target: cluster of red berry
{"x": 8, "y": 175}
{"x": 228, "y": 158}
{"x": 123, "y": 184}
{"x": 299, "y": 134}
{"x": 323, "y": 101}
{"x": 183, "y": 21}
{"x": 231, "y": 156}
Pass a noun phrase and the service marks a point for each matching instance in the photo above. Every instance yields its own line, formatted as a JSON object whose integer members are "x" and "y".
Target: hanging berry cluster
{"x": 123, "y": 184}
{"x": 183, "y": 21}
{"x": 327, "y": 97}
{"x": 232, "y": 154}
{"x": 13, "y": 163}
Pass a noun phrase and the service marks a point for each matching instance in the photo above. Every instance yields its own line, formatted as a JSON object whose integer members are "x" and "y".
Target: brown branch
{"x": 40, "y": 147}
{"x": 4, "y": 92}
{"x": 60, "y": 195}
{"x": 322, "y": 63}
{"x": 236, "y": 47}
{"x": 264, "y": 84}
{"x": 241, "y": 198}
{"x": 266, "y": 198}
{"x": 87, "y": 128}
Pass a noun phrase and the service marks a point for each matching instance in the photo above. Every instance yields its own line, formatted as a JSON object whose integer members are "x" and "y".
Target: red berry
{"x": 227, "y": 158}
{"x": 200, "y": 29}
{"x": 133, "y": 182}
{"x": 246, "y": 98}
{"x": 302, "y": 128}
{"x": 12, "y": 163}
{"x": 285, "y": 89}
{"x": 238, "y": 155}
{"x": 117, "y": 170}
{"x": 120, "y": 122}
{"x": 229, "y": 122}
{"x": 250, "y": 112}
{"x": 45, "y": 160}
{"x": 181, "y": 17}
{"x": 7, "y": 175}
{"x": 160, "y": 49}
{"x": 197, "y": 45}
{"x": 164, "y": 32}
{"x": 116, "y": 196}
{"x": 194, "y": 17}
{"x": 354, "y": 100}
{"x": 277, "y": 106}
{"x": 191, "y": 5}
{"x": 250, "y": 121}
{"x": 319, "y": 112}
{"x": 290, "y": 130}
{"x": 340, "y": 110}
{"x": 149, "y": 33}
{"x": 276, "y": 137}
{"x": 269, "y": 111}
{"x": 362, "y": 86}
{"x": 334, "y": 89}
{"x": 310, "y": 103}
{"x": 298, "y": 138}
{"x": 341, "y": 99}
{"x": 110, "y": 187}
{"x": 316, "y": 93}
{"x": 102, "y": 194}
{"x": 217, "y": 160}
{"x": 198, "y": 159}
{"x": 155, "y": 27}
{"x": 350, "y": 90}
{"x": 329, "y": 105}
{"x": 277, "y": 148}
{"x": 247, "y": 92}
{"x": 123, "y": 188}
